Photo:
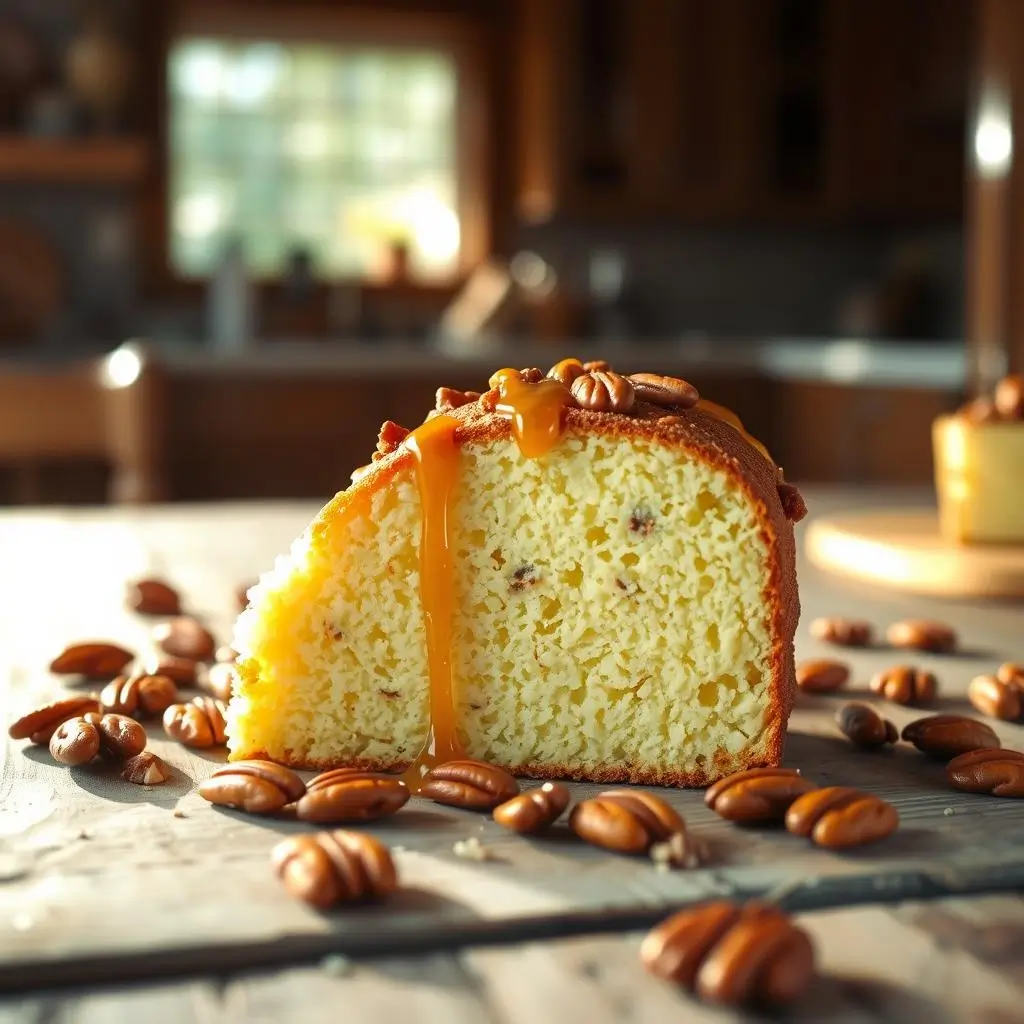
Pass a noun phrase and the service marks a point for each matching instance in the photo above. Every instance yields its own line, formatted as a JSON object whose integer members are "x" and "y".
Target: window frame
{"x": 463, "y": 37}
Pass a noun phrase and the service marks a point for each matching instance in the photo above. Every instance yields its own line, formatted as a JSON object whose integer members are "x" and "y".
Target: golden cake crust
{"x": 687, "y": 430}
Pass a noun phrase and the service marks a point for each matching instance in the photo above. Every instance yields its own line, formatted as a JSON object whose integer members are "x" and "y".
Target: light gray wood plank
{"x": 78, "y": 845}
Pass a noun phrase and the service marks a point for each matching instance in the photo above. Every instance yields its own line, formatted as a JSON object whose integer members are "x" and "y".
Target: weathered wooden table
{"x": 119, "y": 902}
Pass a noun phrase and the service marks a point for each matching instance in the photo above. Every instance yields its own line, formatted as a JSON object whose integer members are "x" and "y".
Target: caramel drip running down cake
{"x": 581, "y": 575}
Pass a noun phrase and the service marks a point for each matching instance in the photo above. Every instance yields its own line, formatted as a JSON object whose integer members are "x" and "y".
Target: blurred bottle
{"x": 611, "y": 316}
{"x": 230, "y": 309}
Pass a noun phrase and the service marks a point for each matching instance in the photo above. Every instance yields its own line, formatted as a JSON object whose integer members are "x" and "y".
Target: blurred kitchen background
{"x": 236, "y": 235}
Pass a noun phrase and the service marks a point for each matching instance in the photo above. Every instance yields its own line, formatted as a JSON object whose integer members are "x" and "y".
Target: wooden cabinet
{"x": 741, "y": 109}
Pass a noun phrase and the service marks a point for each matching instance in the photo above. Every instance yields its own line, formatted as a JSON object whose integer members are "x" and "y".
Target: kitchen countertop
{"x": 104, "y": 884}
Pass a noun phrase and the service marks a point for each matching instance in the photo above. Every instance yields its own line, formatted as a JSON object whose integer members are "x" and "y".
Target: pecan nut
{"x": 732, "y": 955}
{"x": 793, "y": 505}
{"x": 758, "y": 794}
{"x": 392, "y": 434}
{"x": 334, "y": 867}
{"x": 197, "y": 724}
{"x": 822, "y": 675}
{"x": 153, "y": 597}
{"x": 472, "y": 785}
{"x": 219, "y": 680}
{"x": 75, "y": 742}
{"x": 624, "y": 821}
{"x": 97, "y": 660}
{"x": 450, "y": 398}
{"x": 838, "y": 817}
{"x": 121, "y": 737}
{"x": 865, "y": 727}
{"x": 258, "y": 787}
{"x": 664, "y": 391}
{"x": 181, "y": 671}
{"x": 40, "y": 725}
{"x": 349, "y": 795}
{"x": 1008, "y": 397}
{"x": 946, "y": 736}
{"x": 922, "y": 635}
{"x": 996, "y": 771}
{"x": 904, "y": 684}
{"x": 1011, "y": 674}
{"x": 566, "y": 371}
{"x": 681, "y": 850}
{"x": 603, "y": 391}
{"x": 842, "y": 632}
{"x": 534, "y": 810}
{"x": 149, "y": 695}
{"x": 145, "y": 769}
{"x": 184, "y": 637}
{"x": 995, "y": 698}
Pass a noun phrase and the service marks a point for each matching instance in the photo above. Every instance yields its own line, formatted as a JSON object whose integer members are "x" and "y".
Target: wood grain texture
{"x": 80, "y": 846}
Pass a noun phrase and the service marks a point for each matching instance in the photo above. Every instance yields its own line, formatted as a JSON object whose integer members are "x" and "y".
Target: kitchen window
{"x": 344, "y": 151}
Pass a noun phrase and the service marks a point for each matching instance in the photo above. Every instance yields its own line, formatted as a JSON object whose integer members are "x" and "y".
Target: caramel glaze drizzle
{"x": 537, "y": 411}
{"x": 437, "y": 459}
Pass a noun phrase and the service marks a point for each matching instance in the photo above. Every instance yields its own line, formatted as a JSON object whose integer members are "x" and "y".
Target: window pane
{"x": 341, "y": 150}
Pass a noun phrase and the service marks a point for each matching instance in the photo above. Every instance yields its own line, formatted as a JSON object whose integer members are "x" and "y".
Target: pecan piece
{"x": 258, "y": 787}
{"x": 242, "y": 595}
{"x": 40, "y": 725}
{"x": 865, "y": 727}
{"x": 839, "y": 817}
{"x": 392, "y": 434}
{"x": 147, "y": 694}
{"x": 197, "y": 724}
{"x": 566, "y": 371}
{"x": 603, "y": 391}
{"x": 625, "y": 821}
{"x": 988, "y": 770}
{"x": 842, "y": 632}
{"x": 822, "y": 675}
{"x": 145, "y": 769}
{"x": 995, "y": 698}
{"x": 664, "y": 391}
{"x": 904, "y": 684}
{"x": 946, "y": 736}
{"x": 153, "y": 597}
{"x": 534, "y": 810}
{"x": 349, "y": 795}
{"x": 94, "y": 660}
{"x": 473, "y": 785}
{"x": 451, "y": 398}
{"x": 334, "y": 867}
{"x": 184, "y": 637}
{"x": 732, "y": 955}
{"x": 219, "y": 680}
{"x": 793, "y": 505}
{"x": 758, "y": 794}
{"x": 922, "y": 635}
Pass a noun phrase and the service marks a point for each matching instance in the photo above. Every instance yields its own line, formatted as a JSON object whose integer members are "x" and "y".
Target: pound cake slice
{"x": 583, "y": 576}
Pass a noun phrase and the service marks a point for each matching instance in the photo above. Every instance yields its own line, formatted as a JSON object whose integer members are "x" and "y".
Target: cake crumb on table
{"x": 471, "y": 849}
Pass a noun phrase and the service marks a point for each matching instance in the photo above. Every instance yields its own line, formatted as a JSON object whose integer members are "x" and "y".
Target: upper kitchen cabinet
{"x": 741, "y": 109}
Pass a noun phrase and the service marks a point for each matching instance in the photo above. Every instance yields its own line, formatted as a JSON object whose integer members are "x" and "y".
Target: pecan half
{"x": 566, "y": 371}
{"x": 145, "y": 769}
{"x": 865, "y": 727}
{"x": 842, "y": 632}
{"x": 664, "y": 391}
{"x": 94, "y": 660}
{"x": 793, "y": 505}
{"x": 181, "y": 671}
{"x": 334, "y": 867}
{"x": 603, "y": 391}
{"x": 219, "y": 680}
{"x": 349, "y": 795}
{"x": 1011, "y": 674}
{"x": 473, "y": 785}
{"x": 822, "y": 675}
{"x": 995, "y": 771}
{"x": 904, "y": 684}
{"x": 39, "y": 725}
{"x": 922, "y": 635}
{"x": 625, "y": 821}
{"x": 153, "y": 597}
{"x": 839, "y": 817}
{"x": 184, "y": 637}
{"x": 992, "y": 697}
{"x": 149, "y": 695}
{"x": 257, "y": 787}
{"x": 121, "y": 737}
{"x": 75, "y": 742}
{"x": 947, "y": 736}
{"x": 534, "y": 810}
{"x": 197, "y": 724}
{"x": 681, "y": 850}
{"x": 391, "y": 435}
{"x": 732, "y": 955}
{"x": 758, "y": 794}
